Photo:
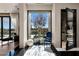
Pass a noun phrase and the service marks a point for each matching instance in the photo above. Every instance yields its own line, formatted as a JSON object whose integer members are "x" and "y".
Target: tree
{"x": 39, "y": 23}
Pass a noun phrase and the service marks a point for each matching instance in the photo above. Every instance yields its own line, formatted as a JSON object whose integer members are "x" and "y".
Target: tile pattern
{"x": 39, "y": 50}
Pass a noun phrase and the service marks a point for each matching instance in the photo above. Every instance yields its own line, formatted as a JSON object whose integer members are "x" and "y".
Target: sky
{"x": 35, "y": 14}
{"x": 6, "y": 23}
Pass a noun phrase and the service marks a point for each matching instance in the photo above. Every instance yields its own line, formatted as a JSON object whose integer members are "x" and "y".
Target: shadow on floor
{"x": 48, "y": 49}
{"x": 64, "y": 53}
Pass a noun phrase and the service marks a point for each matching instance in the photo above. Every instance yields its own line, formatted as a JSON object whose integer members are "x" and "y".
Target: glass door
{"x": 68, "y": 28}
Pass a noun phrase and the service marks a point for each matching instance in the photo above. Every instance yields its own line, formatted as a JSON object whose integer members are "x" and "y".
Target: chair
{"x": 48, "y": 38}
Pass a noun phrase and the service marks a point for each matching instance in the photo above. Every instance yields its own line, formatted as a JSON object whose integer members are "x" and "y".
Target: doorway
{"x": 68, "y": 28}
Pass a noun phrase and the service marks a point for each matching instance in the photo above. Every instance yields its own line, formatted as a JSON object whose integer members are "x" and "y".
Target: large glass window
{"x": 5, "y": 27}
{"x": 39, "y": 24}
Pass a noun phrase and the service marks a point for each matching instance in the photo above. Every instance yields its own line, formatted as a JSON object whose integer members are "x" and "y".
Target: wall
{"x": 8, "y": 7}
{"x": 57, "y": 19}
{"x": 14, "y": 19}
{"x": 4, "y": 14}
{"x": 41, "y": 6}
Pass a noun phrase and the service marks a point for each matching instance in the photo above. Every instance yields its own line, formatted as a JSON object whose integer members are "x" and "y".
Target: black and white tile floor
{"x": 39, "y": 50}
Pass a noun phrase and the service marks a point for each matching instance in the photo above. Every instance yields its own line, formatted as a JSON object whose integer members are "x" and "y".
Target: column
{"x": 23, "y": 25}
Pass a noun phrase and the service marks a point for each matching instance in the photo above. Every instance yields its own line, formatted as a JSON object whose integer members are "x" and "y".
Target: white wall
{"x": 8, "y": 7}
{"x": 41, "y": 6}
{"x": 53, "y": 25}
{"x": 57, "y": 25}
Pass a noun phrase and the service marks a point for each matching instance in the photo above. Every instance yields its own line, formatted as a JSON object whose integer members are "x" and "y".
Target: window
{"x": 39, "y": 24}
{"x": 5, "y": 27}
{"x": 39, "y": 20}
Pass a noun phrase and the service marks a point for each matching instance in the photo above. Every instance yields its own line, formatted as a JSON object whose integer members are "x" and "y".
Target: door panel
{"x": 68, "y": 28}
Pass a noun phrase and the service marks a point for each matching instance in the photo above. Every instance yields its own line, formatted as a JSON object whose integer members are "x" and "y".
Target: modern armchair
{"x": 48, "y": 38}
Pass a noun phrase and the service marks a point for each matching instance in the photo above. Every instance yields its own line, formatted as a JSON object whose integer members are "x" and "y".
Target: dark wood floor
{"x": 7, "y": 47}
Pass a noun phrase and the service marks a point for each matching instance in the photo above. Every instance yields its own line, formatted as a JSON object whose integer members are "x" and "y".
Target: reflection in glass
{"x": 70, "y": 15}
{"x": 70, "y": 29}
